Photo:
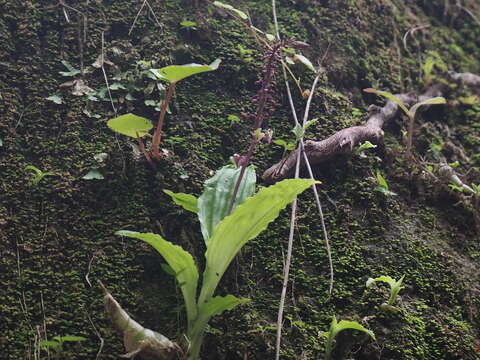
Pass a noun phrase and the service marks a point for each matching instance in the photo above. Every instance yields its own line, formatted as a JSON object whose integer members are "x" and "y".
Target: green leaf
{"x": 180, "y": 261}
{"x": 93, "y": 174}
{"x": 217, "y": 194}
{"x": 298, "y": 131}
{"x": 349, "y": 325}
{"x": 381, "y": 180}
{"x": 240, "y": 13}
{"x": 388, "y": 96}
{"x": 175, "y": 73}
{"x": 286, "y": 145}
{"x": 385, "y": 279}
{"x": 70, "y": 338}
{"x": 71, "y": 70}
{"x": 245, "y": 223}
{"x": 469, "y": 100}
{"x": 56, "y": 99}
{"x": 168, "y": 269}
{"x": 187, "y": 201}
{"x": 219, "y": 304}
{"x": 130, "y": 125}
{"x": 304, "y": 61}
{"x": 188, "y": 24}
{"x": 233, "y": 119}
{"x": 432, "y": 101}
{"x": 35, "y": 169}
{"x": 365, "y": 146}
{"x": 50, "y": 344}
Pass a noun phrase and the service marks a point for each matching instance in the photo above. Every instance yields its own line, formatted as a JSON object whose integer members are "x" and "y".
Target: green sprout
{"x": 56, "y": 344}
{"x": 38, "y": 174}
{"x": 382, "y": 185}
{"x": 411, "y": 113}
{"x": 395, "y": 287}
{"x": 365, "y": 146}
{"x": 137, "y": 127}
{"x": 337, "y": 327}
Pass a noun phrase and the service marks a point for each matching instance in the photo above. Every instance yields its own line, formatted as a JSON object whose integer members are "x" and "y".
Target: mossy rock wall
{"x": 58, "y": 236}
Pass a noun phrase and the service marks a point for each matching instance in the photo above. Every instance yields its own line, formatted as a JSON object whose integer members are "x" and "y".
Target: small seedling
{"x": 94, "y": 173}
{"x": 38, "y": 174}
{"x": 137, "y": 127}
{"x": 335, "y": 328}
{"x": 382, "y": 185}
{"x": 365, "y": 146}
{"x": 395, "y": 287}
{"x": 411, "y": 113}
{"x": 56, "y": 344}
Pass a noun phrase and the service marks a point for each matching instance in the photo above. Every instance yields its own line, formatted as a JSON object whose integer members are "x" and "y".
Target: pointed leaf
{"x": 219, "y": 304}
{"x": 245, "y": 223}
{"x": 180, "y": 261}
{"x": 69, "y": 338}
{"x": 187, "y": 201}
{"x": 385, "y": 279}
{"x": 215, "y": 200}
{"x": 175, "y": 73}
{"x": 305, "y": 61}
{"x": 130, "y": 125}
{"x": 432, "y": 101}
{"x": 352, "y": 325}
{"x": 50, "y": 344}
{"x": 240, "y": 13}
{"x": 365, "y": 146}
{"x": 381, "y": 180}
{"x": 388, "y": 96}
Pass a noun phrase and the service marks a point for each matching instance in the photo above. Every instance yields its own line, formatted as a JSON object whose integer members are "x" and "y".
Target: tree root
{"x": 345, "y": 140}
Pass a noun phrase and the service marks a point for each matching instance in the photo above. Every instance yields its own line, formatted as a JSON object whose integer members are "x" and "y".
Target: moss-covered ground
{"x": 57, "y": 236}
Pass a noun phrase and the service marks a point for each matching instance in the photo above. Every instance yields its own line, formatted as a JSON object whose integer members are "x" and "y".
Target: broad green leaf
{"x": 180, "y": 261}
{"x": 69, "y": 338}
{"x": 298, "y": 131}
{"x": 175, "y": 73}
{"x": 187, "y": 201}
{"x": 432, "y": 101}
{"x": 93, "y": 174}
{"x": 305, "y": 61}
{"x": 240, "y": 13}
{"x": 388, "y": 96}
{"x": 352, "y": 325}
{"x": 310, "y": 123}
{"x": 219, "y": 304}
{"x": 395, "y": 286}
{"x": 217, "y": 194}
{"x": 56, "y": 99}
{"x": 245, "y": 223}
{"x": 233, "y": 119}
{"x": 130, "y": 125}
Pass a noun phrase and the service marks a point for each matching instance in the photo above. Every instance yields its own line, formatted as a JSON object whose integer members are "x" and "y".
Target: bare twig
{"x": 102, "y": 342}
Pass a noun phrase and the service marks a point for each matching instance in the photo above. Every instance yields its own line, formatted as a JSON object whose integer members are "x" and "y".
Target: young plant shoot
{"x": 395, "y": 287}
{"x": 336, "y": 328}
{"x": 137, "y": 127}
{"x": 224, "y": 237}
{"x": 411, "y": 113}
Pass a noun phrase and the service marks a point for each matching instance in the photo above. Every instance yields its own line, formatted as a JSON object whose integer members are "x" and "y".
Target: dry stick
{"x": 102, "y": 342}
{"x": 294, "y": 205}
{"x": 161, "y": 119}
{"x": 136, "y": 17}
